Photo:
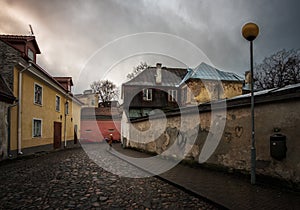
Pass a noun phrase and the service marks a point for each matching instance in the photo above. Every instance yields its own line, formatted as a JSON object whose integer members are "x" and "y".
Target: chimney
{"x": 158, "y": 73}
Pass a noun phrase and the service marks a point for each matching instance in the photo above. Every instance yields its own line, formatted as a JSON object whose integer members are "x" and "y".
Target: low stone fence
{"x": 221, "y": 136}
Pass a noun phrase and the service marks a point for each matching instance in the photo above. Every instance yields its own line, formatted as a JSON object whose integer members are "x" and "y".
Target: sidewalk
{"x": 227, "y": 190}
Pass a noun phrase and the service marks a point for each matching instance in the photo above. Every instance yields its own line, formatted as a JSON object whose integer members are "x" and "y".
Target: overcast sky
{"x": 93, "y": 40}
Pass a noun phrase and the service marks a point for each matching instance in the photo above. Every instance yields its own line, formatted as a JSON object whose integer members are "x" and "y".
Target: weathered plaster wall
{"x": 206, "y": 90}
{"x": 233, "y": 150}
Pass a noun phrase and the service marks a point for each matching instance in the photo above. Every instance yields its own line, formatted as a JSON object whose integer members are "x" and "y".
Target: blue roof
{"x": 207, "y": 72}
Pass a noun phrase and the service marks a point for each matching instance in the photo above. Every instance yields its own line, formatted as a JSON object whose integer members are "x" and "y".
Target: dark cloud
{"x": 70, "y": 31}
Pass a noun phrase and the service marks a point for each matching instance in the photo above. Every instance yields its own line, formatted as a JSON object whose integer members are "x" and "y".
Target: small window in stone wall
{"x": 172, "y": 95}
{"x": 147, "y": 94}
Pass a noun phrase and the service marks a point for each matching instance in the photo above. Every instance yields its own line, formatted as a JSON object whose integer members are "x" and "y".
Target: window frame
{"x": 28, "y": 54}
{"x": 34, "y": 94}
{"x": 57, "y": 97}
{"x": 171, "y": 96}
{"x": 33, "y": 127}
{"x": 147, "y": 94}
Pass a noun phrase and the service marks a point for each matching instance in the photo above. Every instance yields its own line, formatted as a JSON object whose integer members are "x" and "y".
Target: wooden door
{"x": 57, "y": 135}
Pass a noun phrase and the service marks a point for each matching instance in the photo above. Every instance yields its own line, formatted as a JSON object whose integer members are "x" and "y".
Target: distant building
{"x": 169, "y": 88}
{"x": 47, "y": 114}
{"x": 207, "y": 83}
{"x": 154, "y": 88}
{"x": 98, "y": 123}
{"x": 88, "y": 98}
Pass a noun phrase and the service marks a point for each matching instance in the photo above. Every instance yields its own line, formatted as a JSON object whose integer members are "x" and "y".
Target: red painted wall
{"x": 98, "y": 130}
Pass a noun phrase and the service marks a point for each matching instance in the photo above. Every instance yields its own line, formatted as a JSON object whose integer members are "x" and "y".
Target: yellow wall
{"x": 76, "y": 116}
{"x": 46, "y": 112}
{"x": 205, "y": 91}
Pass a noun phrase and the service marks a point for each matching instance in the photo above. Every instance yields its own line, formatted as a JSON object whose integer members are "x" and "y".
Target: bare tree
{"x": 106, "y": 90}
{"x": 138, "y": 69}
{"x": 278, "y": 70}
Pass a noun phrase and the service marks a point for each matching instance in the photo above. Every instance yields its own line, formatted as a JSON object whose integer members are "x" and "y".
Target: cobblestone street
{"x": 70, "y": 180}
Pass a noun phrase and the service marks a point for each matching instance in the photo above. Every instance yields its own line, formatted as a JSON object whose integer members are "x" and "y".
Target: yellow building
{"x": 88, "y": 98}
{"x": 46, "y": 114}
{"x": 206, "y": 83}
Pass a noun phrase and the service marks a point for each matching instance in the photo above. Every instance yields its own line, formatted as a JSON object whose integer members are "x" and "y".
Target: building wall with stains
{"x": 203, "y": 139}
{"x": 211, "y": 90}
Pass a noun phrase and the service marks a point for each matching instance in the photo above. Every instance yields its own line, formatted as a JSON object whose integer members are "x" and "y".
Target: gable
{"x": 27, "y": 45}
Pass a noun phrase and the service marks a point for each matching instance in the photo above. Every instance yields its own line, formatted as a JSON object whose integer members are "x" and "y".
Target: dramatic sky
{"x": 98, "y": 39}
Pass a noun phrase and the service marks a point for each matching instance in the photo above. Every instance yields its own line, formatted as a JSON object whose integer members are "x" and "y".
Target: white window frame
{"x": 33, "y": 128}
{"x": 57, "y": 97}
{"x": 147, "y": 94}
{"x": 172, "y": 95}
{"x": 30, "y": 53}
{"x": 34, "y": 96}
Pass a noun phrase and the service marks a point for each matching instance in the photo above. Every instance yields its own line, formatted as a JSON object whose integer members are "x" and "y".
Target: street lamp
{"x": 250, "y": 32}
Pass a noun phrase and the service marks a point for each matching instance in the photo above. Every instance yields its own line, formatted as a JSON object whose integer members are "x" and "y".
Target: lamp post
{"x": 250, "y": 32}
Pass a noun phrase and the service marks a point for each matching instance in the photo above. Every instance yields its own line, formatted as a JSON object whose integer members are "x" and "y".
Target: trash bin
{"x": 278, "y": 146}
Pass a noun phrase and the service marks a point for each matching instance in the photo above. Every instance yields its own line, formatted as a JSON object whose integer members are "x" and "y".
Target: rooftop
{"x": 207, "y": 72}
{"x": 170, "y": 77}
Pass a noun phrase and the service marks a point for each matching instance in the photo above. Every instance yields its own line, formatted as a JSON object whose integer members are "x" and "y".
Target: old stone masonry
{"x": 70, "y": 180}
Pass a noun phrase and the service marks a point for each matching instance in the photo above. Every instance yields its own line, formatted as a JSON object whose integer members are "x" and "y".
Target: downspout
{"x": 8, "y": 127}
{"x": 65, "y": 131}
{"x": 65, "y": 127}
{"x": 20, "y": 109}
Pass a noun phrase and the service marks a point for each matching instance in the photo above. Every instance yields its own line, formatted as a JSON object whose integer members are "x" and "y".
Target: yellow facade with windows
{"x": 47, "y": 112}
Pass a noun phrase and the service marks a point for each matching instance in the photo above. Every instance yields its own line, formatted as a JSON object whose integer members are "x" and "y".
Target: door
{"x": 75, "y": 134}
{"x": 57, "y": 135}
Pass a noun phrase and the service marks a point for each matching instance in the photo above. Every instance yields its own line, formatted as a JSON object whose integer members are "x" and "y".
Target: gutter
{"x": 20, "y": 107}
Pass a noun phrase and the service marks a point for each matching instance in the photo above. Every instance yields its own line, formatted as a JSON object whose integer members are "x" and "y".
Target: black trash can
{"x": 278, "y": 146}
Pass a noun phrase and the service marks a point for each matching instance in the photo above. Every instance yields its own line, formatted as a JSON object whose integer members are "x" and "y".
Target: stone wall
{"x": 233, "y": 148}
{"x": 3, "y": 130}
{"x": 8, "y": 58}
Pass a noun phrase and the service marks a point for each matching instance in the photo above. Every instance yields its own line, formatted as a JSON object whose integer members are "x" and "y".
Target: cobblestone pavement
{"x": 71, "y": 180}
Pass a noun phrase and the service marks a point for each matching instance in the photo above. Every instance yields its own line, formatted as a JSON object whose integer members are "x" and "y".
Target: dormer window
{"x": 30, "y": 54}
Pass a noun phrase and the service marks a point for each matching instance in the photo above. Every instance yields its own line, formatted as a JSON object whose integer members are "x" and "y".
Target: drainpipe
{"x": 8, "y": 127}
{"x": 20, "y": 108}
{"x": 65, "y": 127}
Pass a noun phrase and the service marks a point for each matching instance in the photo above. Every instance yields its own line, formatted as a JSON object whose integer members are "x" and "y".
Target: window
{"x": 147, "y": 94}
{"x": 57, "y": 103}
{"x": 37, "y": 128}
{"x": 172, "y": 95}
{"x": 30, "y": 54}
{"x": 38, "y": 94}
